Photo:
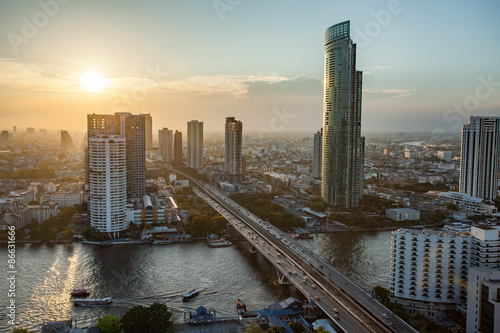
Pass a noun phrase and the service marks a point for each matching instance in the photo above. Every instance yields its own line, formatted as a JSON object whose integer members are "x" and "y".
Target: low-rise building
{"x": 151, "y": 210}
{"x": 43, "y": 211}
{"x": 402, "y": 214}
{"x": 466, "y": 203}
{"x": 65, "y": 199}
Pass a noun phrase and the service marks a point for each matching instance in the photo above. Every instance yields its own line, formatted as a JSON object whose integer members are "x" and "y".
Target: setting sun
{"x": 93, "y": 81}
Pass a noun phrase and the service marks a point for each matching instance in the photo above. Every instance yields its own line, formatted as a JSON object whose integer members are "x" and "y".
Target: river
{"x": 143, "y": 274}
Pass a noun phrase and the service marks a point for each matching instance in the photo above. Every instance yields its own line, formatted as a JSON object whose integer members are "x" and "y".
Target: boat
{"x": 91, "y": 302}
{"x": 79, "y": 292}
{"x": 221, "y": 243}
{"x": 241, "y": 307}
{"x": 193, "y": 293}
{"x": 161, "y": 242}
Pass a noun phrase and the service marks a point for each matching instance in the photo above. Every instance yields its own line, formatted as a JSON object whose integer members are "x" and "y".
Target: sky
{"x": 427, "y": 65}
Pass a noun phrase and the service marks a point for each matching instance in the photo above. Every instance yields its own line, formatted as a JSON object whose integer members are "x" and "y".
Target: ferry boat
{"x": 220, "y": 243}
{"x": 193, "y": 293}
{"x": 91, "y": 302}
{"x": 161, "y": 242}
{"x": 79, "y": 292}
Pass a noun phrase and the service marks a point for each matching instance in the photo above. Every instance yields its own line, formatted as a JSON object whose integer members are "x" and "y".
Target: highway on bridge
{"x": 344, "y": 302}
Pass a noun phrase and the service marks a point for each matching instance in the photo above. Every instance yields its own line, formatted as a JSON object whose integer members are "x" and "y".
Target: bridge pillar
{"x": 309, "y": 308}
{"x": 281, "y": 277}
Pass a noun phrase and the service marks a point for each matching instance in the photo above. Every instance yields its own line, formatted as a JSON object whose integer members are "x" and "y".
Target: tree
{"x": 109, "y": 324}
{"x": 68, "y": 233}
{"x": 381, "y": 293}
{"x": 320, "y": 330}
{"x": 450, "y": 205}
{"x": 276, "y": 329}
{"x": 21, "y": 330}
{"x": 141, "y": 319}
{"x": 253, "y": 328}
{"x": 296, "y": 328}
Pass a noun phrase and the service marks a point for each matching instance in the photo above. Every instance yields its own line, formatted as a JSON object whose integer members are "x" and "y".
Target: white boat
{"x": 91, "y": 302}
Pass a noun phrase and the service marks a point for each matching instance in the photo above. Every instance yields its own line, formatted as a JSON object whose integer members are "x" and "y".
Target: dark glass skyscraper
{"x": 343, "y": 146}
{"x": 195, "y": 144}
{"x": 178, "y": 147}
{"x": 233, "y": 158}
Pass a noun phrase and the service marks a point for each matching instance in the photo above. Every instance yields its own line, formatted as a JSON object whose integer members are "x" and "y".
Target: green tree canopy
{"x": 109, "y": 324}
{"x": 253, "y": 328}
{"x": 142, "y": 319}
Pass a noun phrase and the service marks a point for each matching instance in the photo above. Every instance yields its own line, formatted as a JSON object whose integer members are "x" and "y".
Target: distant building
{"x": 343, "y": 145}
{"x": 411, "y": 153}
{"x": 318, "y": 152}
{"x": 5, "y": 137}
{"x": 178, "y": 147}
{"x": 66, "y": 141}
{"x": 445, "y": 155}
{"x": 43, "y": 211}
{"x": 166, "y": 145}
{"x": 480, "y": 157}
{"x": 195, "y": 144}
{"x": 483, "y": 300}
{"x": 26, "y": 196}
{"x": 148, "y": 131}
{"x": 30, "y": 131}
{"x": 43, "y": 131}
{"x": 466, "y": 203}
{"x": 402, "y": 214}
{"x": 65, "y": 200}
{"x": 233, "y": 160}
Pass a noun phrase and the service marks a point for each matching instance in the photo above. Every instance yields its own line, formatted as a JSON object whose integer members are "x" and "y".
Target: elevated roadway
{"x": 344, "y": 302}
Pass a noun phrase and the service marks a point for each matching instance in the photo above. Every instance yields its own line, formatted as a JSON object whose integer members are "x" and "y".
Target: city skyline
{"x": 53, "y": 70}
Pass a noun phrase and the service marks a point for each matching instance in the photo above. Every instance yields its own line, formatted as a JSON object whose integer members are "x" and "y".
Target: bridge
{"x": 343, "y": 301}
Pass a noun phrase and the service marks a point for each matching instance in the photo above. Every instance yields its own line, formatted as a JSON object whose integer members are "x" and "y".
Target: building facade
{"x": 233, "y": 158}
{"x": 178, "y": 148}
{"x": 318, "y": 151}
{"x": 132, "y": 128}
{"x": 166, "y": 145}
{"x": 483, "y": 300}
{"x": 108, "y": 183}
{"x": 66, "y": 141}
{"x": 480, "y": 154}
{"x": 195, "y": 144}
{"x": 343, "y": 146}
{"x": 466, "y": 203}
{"x": 148, "y": 131}
{"x": 402, "y": 214}
{"x": 429, "y": 270}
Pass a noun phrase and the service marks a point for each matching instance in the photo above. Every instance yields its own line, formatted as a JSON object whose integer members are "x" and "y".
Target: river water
{"x": 143, "y": 274}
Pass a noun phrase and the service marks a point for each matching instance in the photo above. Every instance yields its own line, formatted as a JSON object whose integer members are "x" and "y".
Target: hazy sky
{"x": 427, "y": 64}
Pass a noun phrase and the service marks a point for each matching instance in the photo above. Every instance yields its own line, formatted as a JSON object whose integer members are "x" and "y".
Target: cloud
{"x": 37, "y": 77}
{"x": 34, "y": 77}
{"x": 236, "y": 85}
{"x": 390, "y": 93}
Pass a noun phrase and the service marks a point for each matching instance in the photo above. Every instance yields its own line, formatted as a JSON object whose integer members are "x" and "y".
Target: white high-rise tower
{"x": 108, "y": 183}
{"x": 480, "y": 154}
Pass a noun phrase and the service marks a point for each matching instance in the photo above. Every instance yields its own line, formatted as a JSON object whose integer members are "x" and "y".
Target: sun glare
{"x": 93, "y": 81}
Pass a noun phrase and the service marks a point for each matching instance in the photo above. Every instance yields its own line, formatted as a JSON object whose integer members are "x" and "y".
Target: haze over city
{"x": 206, "y": 60}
